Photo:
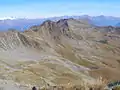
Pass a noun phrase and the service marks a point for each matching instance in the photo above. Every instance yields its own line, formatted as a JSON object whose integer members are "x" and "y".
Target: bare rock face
{"x": 65, "y": 52}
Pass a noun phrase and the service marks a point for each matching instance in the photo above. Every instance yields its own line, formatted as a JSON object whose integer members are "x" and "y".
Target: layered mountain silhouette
{"x": 60, "y": 52}
{"x": 23, "y": 24}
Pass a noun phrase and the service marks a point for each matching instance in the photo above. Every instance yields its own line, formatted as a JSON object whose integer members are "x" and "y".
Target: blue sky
{"x": 50, "y": 8}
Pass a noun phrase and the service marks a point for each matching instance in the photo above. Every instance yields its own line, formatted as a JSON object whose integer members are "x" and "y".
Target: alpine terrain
{"x": 68, "y": 52}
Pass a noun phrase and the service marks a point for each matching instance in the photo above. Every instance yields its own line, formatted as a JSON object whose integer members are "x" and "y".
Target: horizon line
{"x": 14, "y": 18}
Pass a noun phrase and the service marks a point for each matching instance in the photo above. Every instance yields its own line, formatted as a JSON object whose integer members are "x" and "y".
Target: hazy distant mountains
{"x": 22, "y": 24}
{"x": 19, "y": 24}
{"x": 118, "y": 24}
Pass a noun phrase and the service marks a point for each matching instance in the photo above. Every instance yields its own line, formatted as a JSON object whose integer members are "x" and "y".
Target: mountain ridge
{"x": 62, "y": 52}
{"x": 23, "y": 24}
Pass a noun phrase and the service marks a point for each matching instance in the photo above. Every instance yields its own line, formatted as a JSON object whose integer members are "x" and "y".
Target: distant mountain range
{"x": 118, "y": 24}
{"x": 23, "y": 24}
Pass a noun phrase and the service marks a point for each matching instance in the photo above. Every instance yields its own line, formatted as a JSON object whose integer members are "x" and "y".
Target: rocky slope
{"x": 66, "y": 52}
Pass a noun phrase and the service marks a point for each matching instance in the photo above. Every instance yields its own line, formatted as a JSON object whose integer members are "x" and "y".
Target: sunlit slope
{"x": 65, "y": 52}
